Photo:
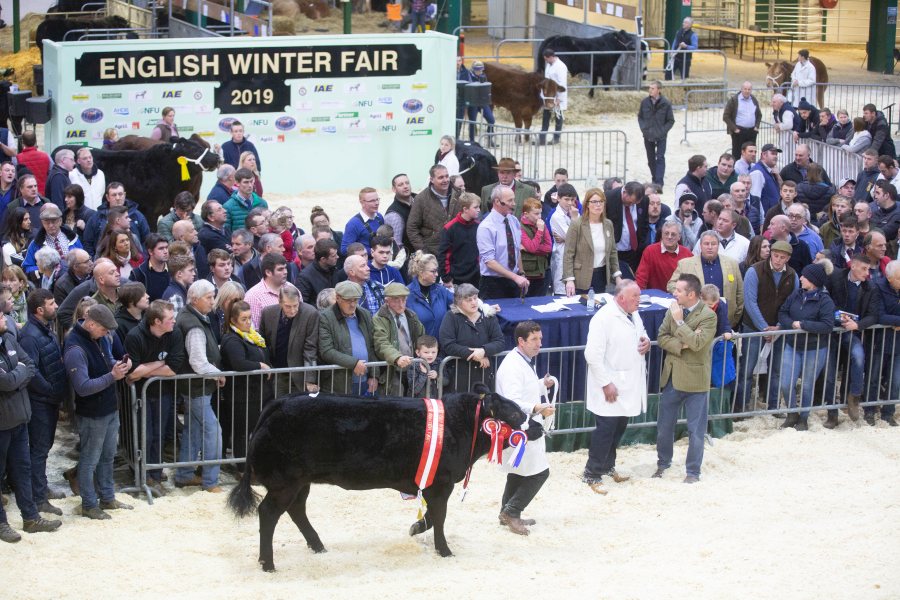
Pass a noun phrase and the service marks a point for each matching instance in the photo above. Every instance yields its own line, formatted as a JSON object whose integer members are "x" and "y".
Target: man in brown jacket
{"x": 742, "y": 117}
{"x": 430, "y": 212}
{"x": 291, "y": 331}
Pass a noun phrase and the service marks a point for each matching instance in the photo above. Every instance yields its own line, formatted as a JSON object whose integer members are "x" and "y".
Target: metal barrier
{"x": 703, "y": 110}
{"x": 588, "y": 154}
{"x": 837, "y": 162}
{"x": 221, "y": 411}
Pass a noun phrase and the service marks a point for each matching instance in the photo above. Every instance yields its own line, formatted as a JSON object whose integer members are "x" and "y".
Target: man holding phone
{"x": 93, "y": 372}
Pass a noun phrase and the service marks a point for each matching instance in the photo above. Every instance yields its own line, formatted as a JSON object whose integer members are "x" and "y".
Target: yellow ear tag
{"x": 184, "y": 170}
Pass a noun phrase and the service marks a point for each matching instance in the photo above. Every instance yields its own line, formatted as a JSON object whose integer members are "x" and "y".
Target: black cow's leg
{"x": 594, "y": 76}
{"x": 422, "y": 525}
{"x": 297, "y": 511}
{"x": 437, "y": 496}
{"x": 270, "y": 510}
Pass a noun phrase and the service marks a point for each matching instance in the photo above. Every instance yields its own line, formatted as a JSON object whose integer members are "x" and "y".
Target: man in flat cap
{"x": 396, "y": 330}
{"x": 346, "y": 339}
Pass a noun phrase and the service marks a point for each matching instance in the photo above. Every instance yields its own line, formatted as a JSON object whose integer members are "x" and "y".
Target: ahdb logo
{"x": 412, "y": 105}
{"x": 285, "y": 123}
{"x": 92, "y": 115}
{"x": 123, "y": 111}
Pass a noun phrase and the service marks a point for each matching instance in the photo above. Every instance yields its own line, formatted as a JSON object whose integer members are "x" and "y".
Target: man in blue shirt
{"x": 499, "y": 240}
{"x": 362, "y": 226}
{"x": 232, "y": 149}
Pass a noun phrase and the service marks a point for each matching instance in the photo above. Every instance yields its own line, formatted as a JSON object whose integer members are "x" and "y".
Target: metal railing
{"x": 837, "y": 162}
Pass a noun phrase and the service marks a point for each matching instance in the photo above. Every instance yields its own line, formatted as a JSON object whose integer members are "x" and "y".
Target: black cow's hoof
{"x": 317, "y": 548}
{"x": 418, "y": 527}
{"x": 267, "y": 566}
{"x": 445, "y": 552}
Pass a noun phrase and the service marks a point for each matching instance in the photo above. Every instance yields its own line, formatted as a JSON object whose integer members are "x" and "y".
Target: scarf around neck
{"x": 252, "y": 336}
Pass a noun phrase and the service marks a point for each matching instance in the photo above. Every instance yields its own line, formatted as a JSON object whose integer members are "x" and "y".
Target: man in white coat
{"x": 803, "y": 79}
{"x": 616, "y": 379}
{"x": 91, "y": 179}
{"x": 518, "y": 381}
{"x": 557, "y": 71}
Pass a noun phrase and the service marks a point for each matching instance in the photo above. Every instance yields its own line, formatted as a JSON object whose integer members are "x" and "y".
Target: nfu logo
{"x": 259, "y": 122}
{"x": 150, "y": 110}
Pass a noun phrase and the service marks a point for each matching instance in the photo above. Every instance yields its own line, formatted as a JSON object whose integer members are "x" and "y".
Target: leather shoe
{"x": 870, "y": 419}
{"x": 40, "y": 525}
{"x": 597, "y": 488}
{"x": 659, "y": 473}
{"x": 194, "y": 481}
{"x": 71, "y": 475}
{"x": 215, "y": 489}
{"x": 46, "y": 507}
{"x": 691, "y": 479}
{"x": 618, "y": 478}
{"x": 853, "y": 407}
{"x": 95, "y": 513}
{"x": 51, "y": 495}
{"x": 514, "y": 524}
{"x": 115, "y": 505}
{"x": 8, "y": 534}
{"x": 529, "y": 522}
{"x": 892, "y": 422}
{"x": 831, "y": 423}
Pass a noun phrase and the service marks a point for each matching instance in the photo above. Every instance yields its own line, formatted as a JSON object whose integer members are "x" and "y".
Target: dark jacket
{"x": 815, "y": 195}
{"x": 458, "y": 334}
{"x": 458, "y": 253}
{"x": 126, "y": 322}
{"x": 730, "y": 113}
{"x": 840, "y": 133}
{"x": 93, "y": 229}
{"x": 815, "y": 311}
{"x": 881, "y": 135}
{"x": 155, "y": 282}
{"x": 89, "y": 363}
{"x": 219, "y": 193}
{"x": 800, "y": 254}
{"x": 57, "y": 180}
{"x": 65, "y": 283}
{"x": 888, "y": 221}
{"x": 302, "y": 343}
{"x": 42, "y": 346}
{"x": 190, "y": 319}
{"x": 655, "y": 118}
{"x": 427, "y": 218}
{"x": 615, "y": 214}
{"x": 313, "y": 279}
{"x": 16, "y": 370}
{"x": 868, "y": 299}
{"x": 66, "y": 310}
{"x": 791, "y": 172}
{"x": 144, "y": 347}
{"x": 715, "y": 184}
{"x": 890, "y": 300}
{"x": 865, "y": 180}
{"x": 210, "y": 238}
{"x": 335, "y": 348}
{"x": 699, "y": 187}
{"x": 240, "y": 355}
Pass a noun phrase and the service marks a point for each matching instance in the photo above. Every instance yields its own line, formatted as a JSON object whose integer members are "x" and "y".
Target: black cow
{"x": 152, "y": 177}
{"x": 603, "y": 64}
{"x": 361, "y": 444}
{"x": 55, "y": 29}
{"x": 476, "y": 166}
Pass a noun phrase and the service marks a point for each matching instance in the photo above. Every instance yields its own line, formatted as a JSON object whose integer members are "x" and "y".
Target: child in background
{"x": 536, "y": 247}
{"x": 710, "y": 296}
{"x": 280, "y": 224}
{"x": 110, "y": 137}
{"x": 723, "y": 371}
{"x": 14, "y": 277}
{"x": 425, "y": 378}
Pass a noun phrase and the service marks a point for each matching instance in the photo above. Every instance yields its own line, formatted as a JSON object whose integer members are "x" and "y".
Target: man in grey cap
{"x": 93, "y": 372}
{"x": 767, "y": 284}
{"x": 396, "y": 330}
{"x": 346, "y": 339}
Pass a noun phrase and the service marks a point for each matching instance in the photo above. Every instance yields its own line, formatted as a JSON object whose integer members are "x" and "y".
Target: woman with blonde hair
{"x": 428, "y": 297}
{"x": 228, "y": 294}
{"x": 446, "y": 155}
{"x": 590, "y": 259}
{"x": 248, "y": 161}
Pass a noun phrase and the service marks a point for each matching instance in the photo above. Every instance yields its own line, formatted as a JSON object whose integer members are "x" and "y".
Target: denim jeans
{"x": 99, "y": 440}
{"x": 656, "y": 159}
{"x": 803, "y": 364}
{"x": 695, "y": 409}
{"x": 885, "y": 367}
{"x": 159, "y": 417}
{"x": 545, "y": 125}
{"x": 41, "y": 432}
{"x": 750, "y": 348}
{"x": 851, "y": 345}
{"x": 202, "y": 436}
{"x": 14, "y": 455}
{"x": 418, "y": 20}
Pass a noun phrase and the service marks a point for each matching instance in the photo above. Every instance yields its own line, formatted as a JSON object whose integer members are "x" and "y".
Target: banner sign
{"x": 313, "y": 106}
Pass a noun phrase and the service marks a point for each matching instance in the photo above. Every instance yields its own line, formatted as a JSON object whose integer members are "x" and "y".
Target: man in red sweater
{"x": 660, "y": 259}
{"x": 38, "y": 162}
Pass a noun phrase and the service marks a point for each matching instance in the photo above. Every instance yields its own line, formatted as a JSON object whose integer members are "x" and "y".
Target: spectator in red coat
{"x": 536, "y": 247}
{"x": 38, "y": 162}
{"x": 660, "y": 259}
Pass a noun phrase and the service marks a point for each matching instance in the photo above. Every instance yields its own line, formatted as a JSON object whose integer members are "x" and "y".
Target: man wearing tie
{"x": 686, "y": 335}
{"x": 627, "y": 207}
{"x": 499, "y": 241}
{"x": 616, "y": 379}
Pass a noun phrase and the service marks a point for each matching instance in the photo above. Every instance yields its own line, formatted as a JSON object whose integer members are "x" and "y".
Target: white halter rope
{"x": 549, "y": 421}
{"x": 197, "y": 160}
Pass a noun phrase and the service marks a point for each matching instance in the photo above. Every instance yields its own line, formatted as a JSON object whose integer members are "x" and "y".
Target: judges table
{"x": 570, "y": 328}
{"x": 770, "y": 41}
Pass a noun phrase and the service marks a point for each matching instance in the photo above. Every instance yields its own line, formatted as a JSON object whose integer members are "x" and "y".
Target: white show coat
{"x": 559, "y": 224}
{"x": 805, "y": 76}
{"x": 560, "y": 74}
{"x": 93, "y": 191}
{"x": 517, "y": 381}
{"x": 612, "y": 356}
{"x": 452, "y": 163}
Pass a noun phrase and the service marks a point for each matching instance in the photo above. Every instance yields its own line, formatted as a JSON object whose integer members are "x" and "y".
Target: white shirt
{"x": 560, "y": 74}
{"x": 452, "y": 163}
{"x": 736, "y": 248}
{"x": 517, "y": 381}
{"x": 599, "y": 239}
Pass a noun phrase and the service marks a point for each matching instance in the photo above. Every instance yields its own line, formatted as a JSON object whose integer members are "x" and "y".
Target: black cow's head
{"x": 196, "y": 151}
{"x": 495, "y": 406}
{"x": 624, "y": 40}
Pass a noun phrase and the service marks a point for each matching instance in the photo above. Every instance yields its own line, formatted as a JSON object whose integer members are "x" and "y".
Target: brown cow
{"x": 519, "y": 92}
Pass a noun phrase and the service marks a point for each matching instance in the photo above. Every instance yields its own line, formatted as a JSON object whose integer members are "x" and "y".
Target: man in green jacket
{"x": 346, "y": 339}
{"x": 243, "y": 200}
{"x": 396, "y": 330}
{"x": 686, "y": 335}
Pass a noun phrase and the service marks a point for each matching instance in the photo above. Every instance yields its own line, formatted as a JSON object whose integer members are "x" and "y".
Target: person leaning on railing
{"x": 810, "y": 309}
{"x": 887, "y": 347}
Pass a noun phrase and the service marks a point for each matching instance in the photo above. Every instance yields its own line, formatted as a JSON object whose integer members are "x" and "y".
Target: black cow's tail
{"x": 242, "y": 499}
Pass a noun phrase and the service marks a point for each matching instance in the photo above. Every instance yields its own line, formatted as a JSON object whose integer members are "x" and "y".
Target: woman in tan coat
{"x": 590, "y": 259}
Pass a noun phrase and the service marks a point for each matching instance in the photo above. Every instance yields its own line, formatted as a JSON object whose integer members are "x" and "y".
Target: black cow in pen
{"x": 361, "y": 444}
{"x": 477, "y": 166}
{"x": 595, "y": 66}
